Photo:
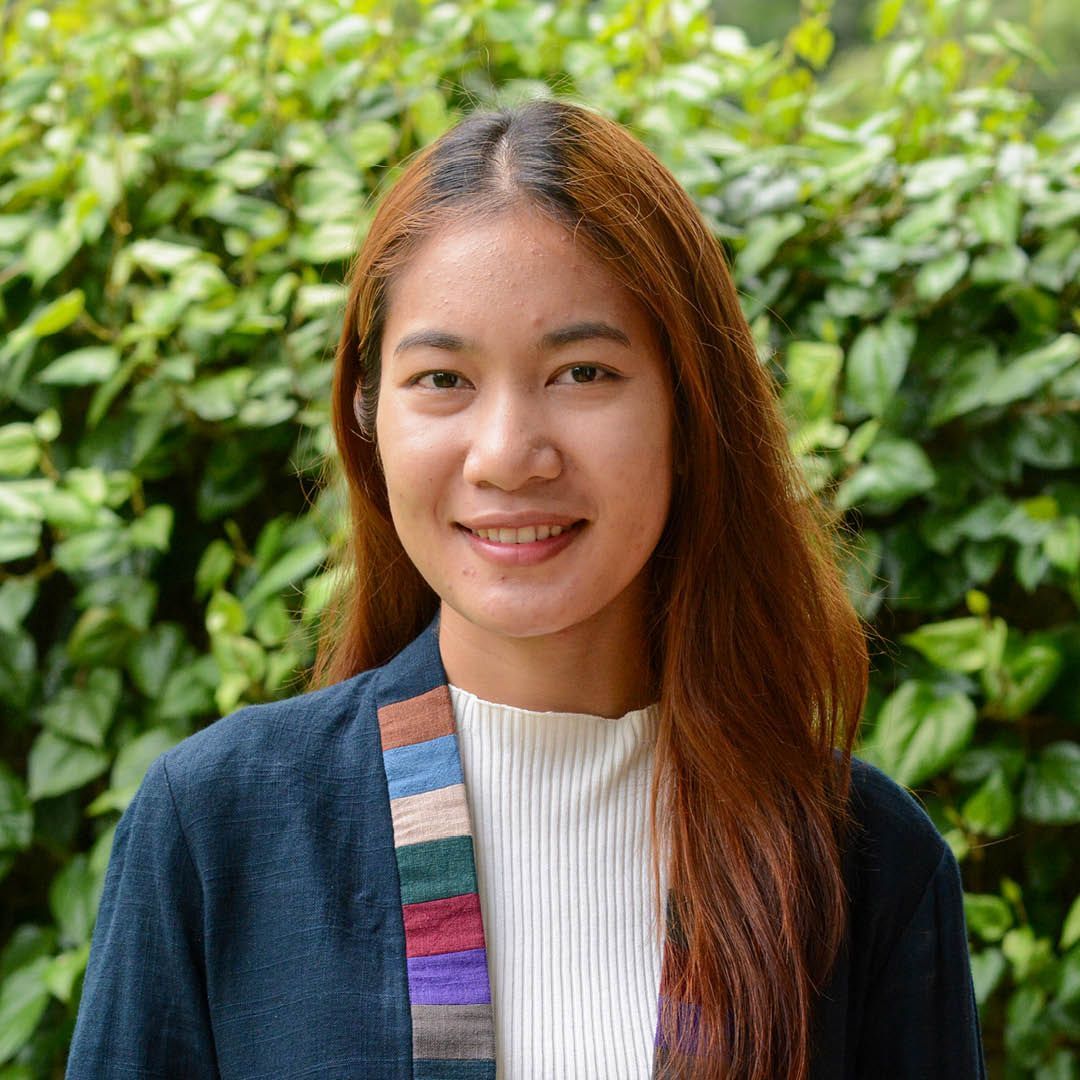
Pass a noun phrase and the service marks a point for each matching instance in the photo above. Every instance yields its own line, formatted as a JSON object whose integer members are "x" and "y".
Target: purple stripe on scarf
{"x": 457, "y": 978}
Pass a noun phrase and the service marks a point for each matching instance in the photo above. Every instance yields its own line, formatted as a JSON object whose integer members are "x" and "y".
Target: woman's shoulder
{"x": 889, "y": 819}
{"x": 308, "y": 731}
{"x": 894, "y": 857}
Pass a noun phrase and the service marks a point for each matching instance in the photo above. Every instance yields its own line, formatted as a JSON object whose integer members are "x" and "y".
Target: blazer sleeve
{"x": 921, "y": 1019}
{"x": 144, "y": 1010}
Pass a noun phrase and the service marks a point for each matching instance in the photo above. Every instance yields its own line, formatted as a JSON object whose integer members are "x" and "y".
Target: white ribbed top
{"x": 559, "y": 805}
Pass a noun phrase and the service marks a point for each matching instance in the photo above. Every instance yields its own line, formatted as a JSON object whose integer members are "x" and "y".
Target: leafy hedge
{"x": 180, "y": 188}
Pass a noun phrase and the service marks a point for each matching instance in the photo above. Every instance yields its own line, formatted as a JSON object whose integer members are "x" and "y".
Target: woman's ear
{"x": 358, "y": 406}
{"x": 364, "y": 413}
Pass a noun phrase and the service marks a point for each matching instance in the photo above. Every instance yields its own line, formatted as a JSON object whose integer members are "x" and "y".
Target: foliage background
{"x": 181, "y": 185}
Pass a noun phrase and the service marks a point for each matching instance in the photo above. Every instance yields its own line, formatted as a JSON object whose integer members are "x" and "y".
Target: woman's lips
{"x": 523, "y": 551}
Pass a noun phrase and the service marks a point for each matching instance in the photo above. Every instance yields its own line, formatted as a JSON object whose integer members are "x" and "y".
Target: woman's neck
{"x": 598, "y": 667}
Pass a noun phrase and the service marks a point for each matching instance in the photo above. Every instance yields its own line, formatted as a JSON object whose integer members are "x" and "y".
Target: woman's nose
{"x": 512, "y": 444}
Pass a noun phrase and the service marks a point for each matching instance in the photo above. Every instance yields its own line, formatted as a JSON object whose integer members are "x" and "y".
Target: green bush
{"x": 181, "y": 186}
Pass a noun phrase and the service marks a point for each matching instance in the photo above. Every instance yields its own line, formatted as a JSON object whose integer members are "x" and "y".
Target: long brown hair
{"x": 760, "y": 660}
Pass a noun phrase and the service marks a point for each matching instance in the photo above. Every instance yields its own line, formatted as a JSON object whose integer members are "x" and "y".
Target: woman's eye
{"x": 582, "y": 373}
{"x": 439, "y": 380}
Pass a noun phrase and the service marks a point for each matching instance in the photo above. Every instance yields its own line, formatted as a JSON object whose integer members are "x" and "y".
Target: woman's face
{"x": 525, "y": 428}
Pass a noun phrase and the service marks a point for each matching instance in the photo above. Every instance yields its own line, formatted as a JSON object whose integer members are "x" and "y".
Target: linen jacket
{"x": 292, "y": 893}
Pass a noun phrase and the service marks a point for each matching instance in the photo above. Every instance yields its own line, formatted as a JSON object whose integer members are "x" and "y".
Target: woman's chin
{"x": 511, "y": 622}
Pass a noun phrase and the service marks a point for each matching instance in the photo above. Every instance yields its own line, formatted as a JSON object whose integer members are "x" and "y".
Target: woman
{"x": 576, "y": 798}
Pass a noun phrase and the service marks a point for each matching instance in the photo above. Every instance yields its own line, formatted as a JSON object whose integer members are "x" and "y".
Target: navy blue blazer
{"x": 251, "y": 920}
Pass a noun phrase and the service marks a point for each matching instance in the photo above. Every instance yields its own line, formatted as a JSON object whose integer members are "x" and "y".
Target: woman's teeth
{"x": 520, "y": 536}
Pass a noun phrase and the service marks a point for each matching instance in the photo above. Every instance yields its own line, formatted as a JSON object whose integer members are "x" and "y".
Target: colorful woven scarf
{"x": 453, "y": 1032}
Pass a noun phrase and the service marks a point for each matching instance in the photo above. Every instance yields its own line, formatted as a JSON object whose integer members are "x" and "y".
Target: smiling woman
{"x": 576, "y": 795}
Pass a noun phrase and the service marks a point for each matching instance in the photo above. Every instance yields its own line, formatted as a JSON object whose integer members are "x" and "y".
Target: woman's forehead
{"x": 520, "y": 268}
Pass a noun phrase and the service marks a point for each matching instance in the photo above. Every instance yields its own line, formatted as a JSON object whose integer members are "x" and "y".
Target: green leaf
{"x": 152, "y": 528}
{"x": 1062, "y": 545}
{"x": 94, "y": 364}
{"x": 991, "y": 810}
{"x": 21, "y": 500}
{"x": 16, "y": 1072}
{"x": 162, "y": 256}
{"x": 1019, "y": 39}
{"x": 139, "y": 754}
{"x": 220, "y": 396}
{"x": 101, "y": 636}
{"x": 371, "y": 143}
{"x": 85, "y": 713}
{"x": 958, "y": 644}
{"x": 239, "y": 655}
{"x": 1030, "y": 566}
{"x": 27, "y": 943}
{"x": 938, "y": 276}
{"x": 328, "y": 241}
{"x": 1025, "y": 1017}
{"x": 94, "y": 549}
{"x": 987, "y": 968}
{"x": 1047, "y": 441}
{"x": 16, "y": 813}
{"x": 987, "y": 915}
{"x": 318, "y": 591}
{"x": 225, "y": 615}
{"x": 23, "y": 998}
{"x": 812, "y": 40}
{"x": 888, "y": 13}
{"x": 19, "y": 449}
{"x": 17, "y": 596}
{"x": 896, "y": 470}
{"x": 1000, "y": 266}
{"x": 876, "y": 365}
{"x": 862, "y": 438}
{"x": 291, "y": 567}
{"x": 1068, "y": 994}
{"x": 429, "y": 115}
{"x": 920, "y": 731}
{"x": 1027, "y": 373}
{"x": 18, "y": 540}
{"x": 1027, "y": 953}
{"x": 59, "y": 314}
{"x": 272, "y": 624}
{"x": 964, "y": 385}
{"x": 996, "y": 214}
{"x": 348, "y": 32}
{"x": 764, "y": 236}
{"x": 64, "y": 970}
{"x": 130, "y": 768}
{"x": 18, "y": 657}
{"x": 1051, "y": 793}
{"x": 1070, "y": 929}
{"x": 154, "y": 656}
{"x": 214, "y": 567}
{"x": 189, "y": 690}
{"x": 57, "y": 765}
{"x": 246, "y": 168}
{"x": 1027, "y": 674}
{"x": 73, "y": 900}
{"x": 14, "y": 228}
{"x": 266, "y": 412}
{"x": 48, "y": 251}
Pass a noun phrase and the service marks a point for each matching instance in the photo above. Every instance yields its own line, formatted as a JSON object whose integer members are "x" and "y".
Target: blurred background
{"x": 181, "y": 187}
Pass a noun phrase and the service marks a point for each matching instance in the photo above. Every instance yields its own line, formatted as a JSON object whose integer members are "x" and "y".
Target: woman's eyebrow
{"x": 553, "y": 339}
{"x": 433, "y": 339}
{"x": 583, "y": 331}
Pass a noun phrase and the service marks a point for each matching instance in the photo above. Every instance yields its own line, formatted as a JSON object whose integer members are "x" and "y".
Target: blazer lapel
{"x": 453, "y": 1029}
{"x": 453, "y": 1032}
